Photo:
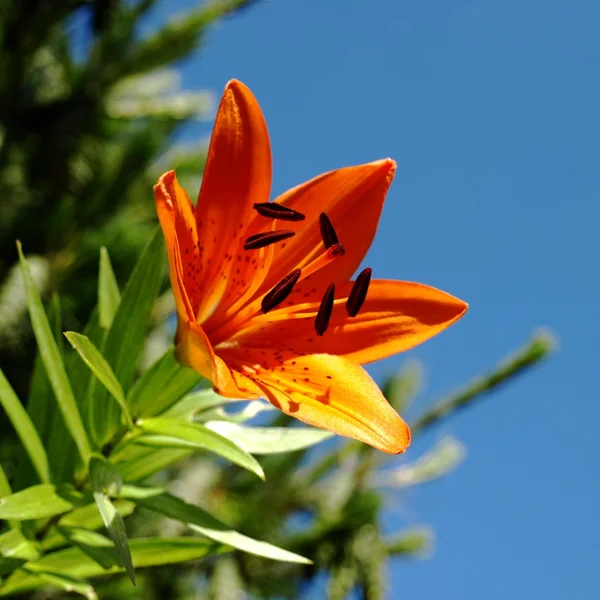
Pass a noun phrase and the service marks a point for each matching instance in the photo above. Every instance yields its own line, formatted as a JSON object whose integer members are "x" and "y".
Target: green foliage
{"x": 58, "y": 516}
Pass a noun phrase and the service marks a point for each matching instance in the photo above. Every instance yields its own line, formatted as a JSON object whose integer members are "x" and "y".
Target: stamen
{"x": 261, "y": 240}
{"x": 327, "y": 231}
{"x": 325, "y": 310}
{"x": 323, "y": 260}
{"x": 359, "y": 292}
{"x": 273, "y": 210}
{"x": 281, "y": 291}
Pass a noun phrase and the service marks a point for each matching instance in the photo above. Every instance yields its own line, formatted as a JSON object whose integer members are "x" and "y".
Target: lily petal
{"x": 333, "y": 393}
{"x": 396, "y": 316}
{"x": 237, "y": 174}
{"x": 177, "y": 221}
{"x": 353, "y": 198}
{"x": 194, "y": 350}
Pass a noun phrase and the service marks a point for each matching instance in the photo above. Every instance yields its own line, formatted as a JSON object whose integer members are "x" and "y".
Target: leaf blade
{"x": 204, "y": 523}
{"x": 25, "y": 429}
{"x": 92, "y": 357}
{"x": 35, "y": 502}
{"x": 270, "y": 440}
{"x": 203, "y": 438}
{"x": 146, "y": 552}
{"x": 161, "y": 386}
{"x": 109, "y": 295}
{"x": 125, "y": 338}
{"x": 105, "y": 479}
{"x": 55, "y": 368}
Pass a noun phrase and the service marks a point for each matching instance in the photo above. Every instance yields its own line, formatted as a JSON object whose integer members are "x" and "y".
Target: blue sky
{"x": 491, "y": 110}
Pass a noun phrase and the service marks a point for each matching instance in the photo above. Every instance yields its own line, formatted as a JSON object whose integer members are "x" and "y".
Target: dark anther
{"x": 337, "y": 249}
{"x": 260, "y": 240}
{"x": 280, "y": 292}
{"x": 327, "y": 231}
{"x": 359, "y": 292}
{"x": 278, "y": 211}
{"x": 325, "y": 310}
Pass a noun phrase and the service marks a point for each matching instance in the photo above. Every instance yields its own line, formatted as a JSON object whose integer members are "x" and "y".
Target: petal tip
{"x": 386, "y": 164}
{"x": 166, "y": 179}
{"x": 399, "y": 441}
{"x": 237, "y": 87}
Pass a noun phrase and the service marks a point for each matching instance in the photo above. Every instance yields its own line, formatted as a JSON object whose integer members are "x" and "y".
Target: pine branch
{"x": 539, "y": 348}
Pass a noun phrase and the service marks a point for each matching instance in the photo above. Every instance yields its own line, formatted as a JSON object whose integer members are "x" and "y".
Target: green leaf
{"x": 61, "y": 451}
{"x": 137, "y": 463}
{"x": 101, "y": 369}
{"x": 412, "y": 542}
{"x": 41, "y": 405}
{"x": 109, "y": 295}
{"x": 5, "y": 489}
{"x": 94, "y": 544}
{"x": 25, "y": 429}
{"x": 16, "y": 549}
{"x": 269, "y": 440}
{"x": 146, "y": 552}
{"x": 204, "y": 523}
{"x": 126, "y": 336}
{"x": 83, "y": 381}
{"x": 197, "y": 402}
{"x": 105, "y": 479}
{"x": 253, "y": 408}
{"x": 437, "y": 462}
{"x": 203, "y": 438}
{"x": 103, "y": 476}
{"x": 164, "y": 441}
{"x": 161, "y": 386}
{"x": 67, "y": 583}
{"x": 35, "y": 502}
{"x": 55, "y": 368}
{"x": 85, "y": 516}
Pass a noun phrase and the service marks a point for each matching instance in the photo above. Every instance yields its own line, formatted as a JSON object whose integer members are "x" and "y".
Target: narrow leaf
{"x": 161, "y": 386}
{"x": 105, "y": 479}
{"x": 101, "y": 369}
{"x": 55, "y": 368}
{"x": 116, "y": 529}
{"x": 85, "y": 516}
{"x": 94, "y": 544}
{"x": 60, "y": 445}
{"x": 437, "y": 462}
{"x": 253, "y": 408}
{"x": 15, "y": 549}
{"x": 203, "y": 438}
{"x": 103, "y": 476}
{"x": 146, "y": 552}
{"x": 137, "y": 463}
{"x": 269, "y": 440}
{"x": 197, "y": 402}
{"x": 25, "y": 429}
{"x": 35, "y": 502}
{"x": 41, "y": 405}
{"x": 412, "y": 542}
{"x": 67, "y": 583}
{"x": 125, "y": 339}
{"x": 204, "y": 523}
{"x": 109, "y": 295}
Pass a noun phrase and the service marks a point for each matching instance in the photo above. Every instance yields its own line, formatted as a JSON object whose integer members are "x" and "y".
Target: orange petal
{"x": 396, "y": 316}
{"x": 179, "y": 228}
{"x": 237, "y": 174}
{"x": 353, "y": 198}
{"x": 195, "y": 350}
{"x": 335, "y": 394}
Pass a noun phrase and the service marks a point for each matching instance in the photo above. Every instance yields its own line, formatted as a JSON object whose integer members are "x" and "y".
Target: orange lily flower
{"x": 265, "y": 304}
